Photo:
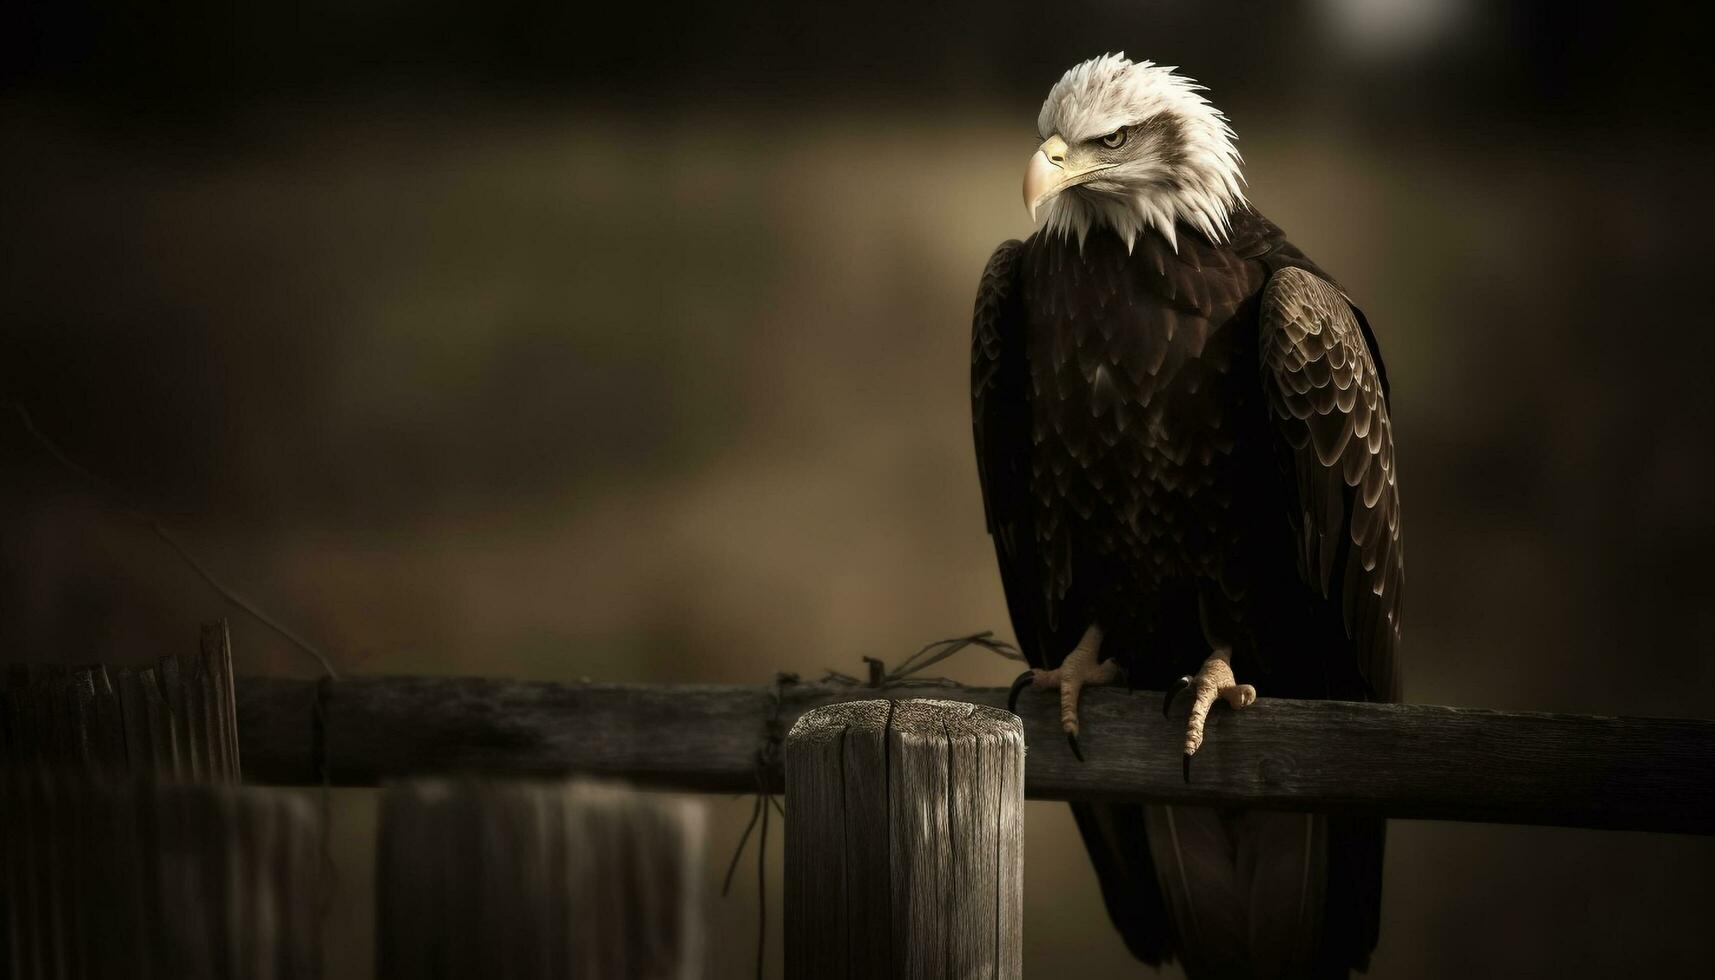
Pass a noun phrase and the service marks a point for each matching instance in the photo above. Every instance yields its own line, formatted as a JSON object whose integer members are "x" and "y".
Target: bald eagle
{"x": 1187, "y": 466}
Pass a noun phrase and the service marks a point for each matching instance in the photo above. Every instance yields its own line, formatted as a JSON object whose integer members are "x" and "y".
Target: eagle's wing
{"x": 1327, "y": 394}
{"x": 999, "y": 411}
{"x": 1114, "y": 834}
{"x": 1000, "y": 419}
{"x": 1329, "y": 404}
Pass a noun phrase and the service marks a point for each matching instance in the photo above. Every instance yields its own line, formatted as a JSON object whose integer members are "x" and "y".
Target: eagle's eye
{"x": 1115, "y": 139}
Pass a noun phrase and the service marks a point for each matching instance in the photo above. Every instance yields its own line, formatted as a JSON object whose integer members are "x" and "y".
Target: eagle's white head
{"x": 1131, "y": 145}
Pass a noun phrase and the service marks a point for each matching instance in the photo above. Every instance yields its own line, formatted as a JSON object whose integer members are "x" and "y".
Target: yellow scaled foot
{"x": 1213, "y": 680}
{"x": 1078, "y": 669}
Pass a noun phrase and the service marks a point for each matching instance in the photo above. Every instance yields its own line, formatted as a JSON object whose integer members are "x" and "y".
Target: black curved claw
{"x": 1072, "y": 739}
{"x": 1187, "y": 767}
{"x": 1173, "y": 690}
{"x": 1017, "y": 686}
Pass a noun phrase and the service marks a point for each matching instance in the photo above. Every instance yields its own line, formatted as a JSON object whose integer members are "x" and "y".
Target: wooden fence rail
{"x": 1411, "y": 761}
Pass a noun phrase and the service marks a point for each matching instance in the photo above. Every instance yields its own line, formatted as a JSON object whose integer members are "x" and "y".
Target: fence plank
{"x": 1409, "y": 761}
{"x": 134, "y": 879}
{"x": 217, "y": 673}
{"x": 538, "y": 881}
{"x": 176, "y": 718}
{"x": 897, "y": 820}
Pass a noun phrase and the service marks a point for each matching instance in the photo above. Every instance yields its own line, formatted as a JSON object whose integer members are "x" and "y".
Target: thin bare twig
{"x": 933, "y": 653}
{"x": 117, "y": 498}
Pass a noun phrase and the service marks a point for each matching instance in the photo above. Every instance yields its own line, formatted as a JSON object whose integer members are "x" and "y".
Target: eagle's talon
{"x": 1213, "y": 681}
{"x": 1173, "y": 690}
{"x": 1018, "y": 687}
{"x": 1079, "y": 669}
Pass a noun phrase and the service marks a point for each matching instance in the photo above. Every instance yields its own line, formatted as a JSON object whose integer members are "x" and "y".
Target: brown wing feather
{"x": 1000, "y": 421}
{"x": 1330, "y": 408}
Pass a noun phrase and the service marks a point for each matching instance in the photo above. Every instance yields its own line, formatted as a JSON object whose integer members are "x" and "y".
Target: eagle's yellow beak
{"x": 1048, "y": 174}
{"x": 1043, "y": 177}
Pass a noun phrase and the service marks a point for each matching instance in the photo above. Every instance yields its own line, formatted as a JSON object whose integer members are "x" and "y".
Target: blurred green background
{"x": 632, "y": 344}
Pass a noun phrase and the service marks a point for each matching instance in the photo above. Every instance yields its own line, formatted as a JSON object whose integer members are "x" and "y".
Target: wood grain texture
{"x": 904, "y": 831}
{"x": 538, "y": 881}
{"x": 174, "y": 719}
{"x": 1396, "y": 760}
{"x": 144, "y": 880}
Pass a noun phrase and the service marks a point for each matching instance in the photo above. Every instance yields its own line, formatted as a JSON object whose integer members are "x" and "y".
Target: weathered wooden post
{"x": 109, "y": 877}
{"x": 126, "y": 847}
{"x": 905, "y": 841}
{"x": 537, "y": 881}
{"x": 173, "y": 720}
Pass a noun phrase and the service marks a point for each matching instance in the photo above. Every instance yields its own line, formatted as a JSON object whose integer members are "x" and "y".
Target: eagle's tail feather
{"x": 1237, "y": 893}
{"x": 1244, "y": 888}
{"x": 1353, "y": 910}
{"x": 1115, "y": 837}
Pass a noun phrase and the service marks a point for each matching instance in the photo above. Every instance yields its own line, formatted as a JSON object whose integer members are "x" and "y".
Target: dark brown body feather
{"x": 1193, "y": 449}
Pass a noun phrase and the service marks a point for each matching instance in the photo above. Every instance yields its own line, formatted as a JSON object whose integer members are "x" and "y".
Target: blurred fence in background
{"x": 128, "y": 851}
